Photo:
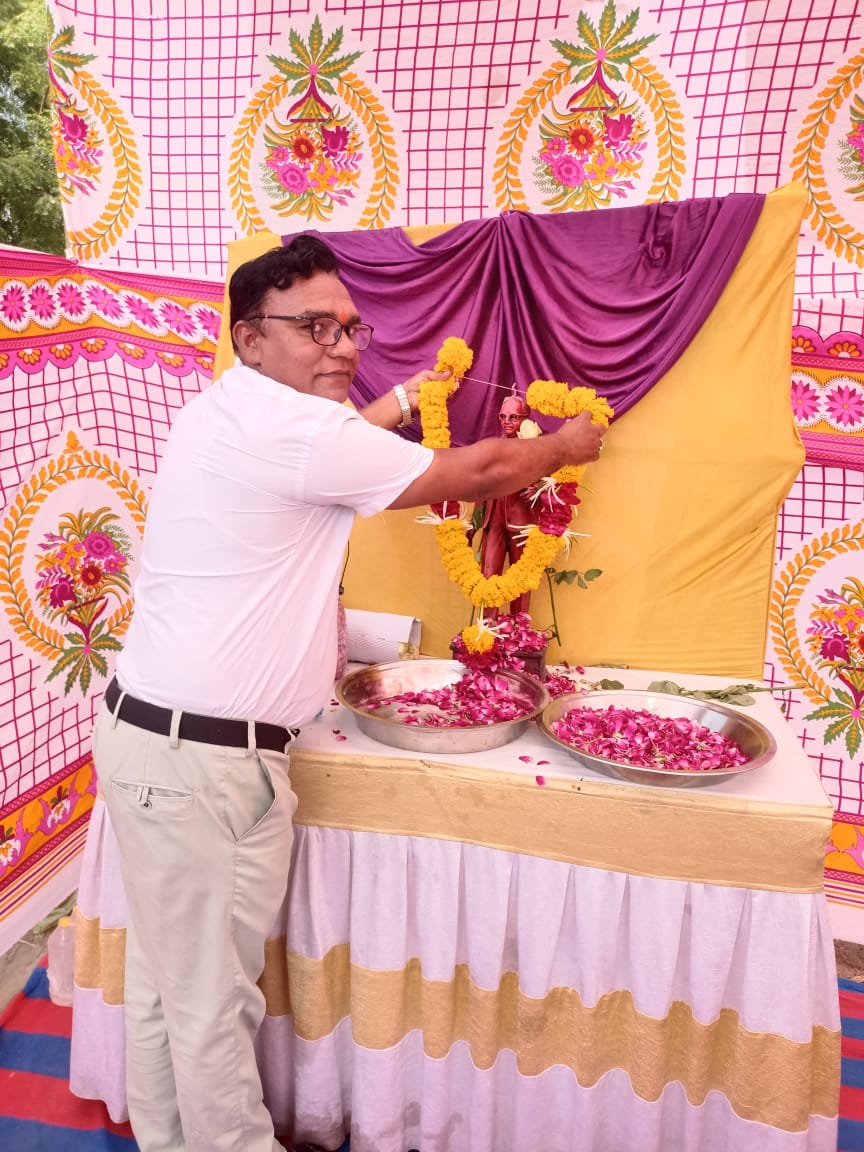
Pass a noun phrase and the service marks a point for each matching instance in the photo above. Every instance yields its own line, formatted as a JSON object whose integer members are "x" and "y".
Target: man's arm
{"x": 499, "y": 465}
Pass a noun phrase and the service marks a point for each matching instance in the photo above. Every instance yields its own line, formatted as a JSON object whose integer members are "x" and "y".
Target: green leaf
{"x": 337, "y": 67}
{"x": 845, "y": 697}
{"x": 627, "y": 51}
{"x": 853, "y": 738}
{"x": 71, "y": 677}
{"x": 288, "y": 67}
{"x": 332, "y": 45}
{"x": 608, "y": 685}
{"x": 300, "y": 50}
{"x": 668, "y": 686}
{"x": 567, "y": 576}
{"x": 835, "y": 729}
{"x": 607, "y": 22}
{"x": 588, "y": 32}
{"x": 316, "y": 37}
{"x": 571, "y": 52}
{"x": 106, "y": 643}
{"x": 64, "y": 36}
{"x": 593, "y": 573}
{"x": 828, "y": 712}
{"x": 69, "y": 657}
{"x": 742, "y": 699}
{"x": 623, "y": 30}
{"x": 99, "y": 663}
{"x": 580, "y": 581}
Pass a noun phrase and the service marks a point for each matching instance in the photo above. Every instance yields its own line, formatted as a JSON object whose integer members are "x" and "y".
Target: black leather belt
{"x": 203, "y": 729}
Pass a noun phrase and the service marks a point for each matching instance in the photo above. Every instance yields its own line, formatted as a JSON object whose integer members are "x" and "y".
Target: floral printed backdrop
{"x": 178, "y": 128}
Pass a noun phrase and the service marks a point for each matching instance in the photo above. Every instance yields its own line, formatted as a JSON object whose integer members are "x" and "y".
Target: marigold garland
{"x": 454, "y": 357}
{"x": 548, "y": 396}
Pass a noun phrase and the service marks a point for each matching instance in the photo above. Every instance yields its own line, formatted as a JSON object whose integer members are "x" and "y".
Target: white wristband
{"x": 402, "y": 396}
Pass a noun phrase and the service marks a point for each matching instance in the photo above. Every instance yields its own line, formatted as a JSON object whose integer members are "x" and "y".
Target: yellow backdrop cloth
{"x": 680, "y": 510}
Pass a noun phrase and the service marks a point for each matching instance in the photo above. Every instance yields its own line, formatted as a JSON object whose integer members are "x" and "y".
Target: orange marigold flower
{"x": 172, "y": 360}
{"x": 845, "y": 349}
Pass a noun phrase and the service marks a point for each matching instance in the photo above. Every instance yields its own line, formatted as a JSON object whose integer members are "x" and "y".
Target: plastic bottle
{"x": 61, "y": 962}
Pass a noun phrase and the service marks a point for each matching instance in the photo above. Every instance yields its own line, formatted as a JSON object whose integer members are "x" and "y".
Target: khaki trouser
{"x": 205, "y": 844}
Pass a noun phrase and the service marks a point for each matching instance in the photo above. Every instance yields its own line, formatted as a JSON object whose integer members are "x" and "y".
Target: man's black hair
{"x": 279, "y": 268}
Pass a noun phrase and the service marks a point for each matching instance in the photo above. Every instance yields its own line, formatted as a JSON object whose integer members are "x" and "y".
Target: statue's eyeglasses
{"x": 327, "y": 331}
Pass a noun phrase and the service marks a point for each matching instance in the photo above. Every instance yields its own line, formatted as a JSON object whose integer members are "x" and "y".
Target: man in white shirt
{"x": 232, "y": 647}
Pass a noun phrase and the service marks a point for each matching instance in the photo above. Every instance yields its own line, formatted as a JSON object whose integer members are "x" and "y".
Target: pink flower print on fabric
{"x": 106, "y": 304}
{"x": 292, "y": 177}
{"x": 178, "y": 320}
{"x": 43, "y": 305}
{"x": 834, "y": 647}
{"x": 98, "y": 544}
{"x": 14, "y": 306}
{"x": 72, "y": 301}
{"x": 568, "y": 170}
{"x": 845, "y": 407}
{"x": 143, "y": 313}
{"x": 335, "y": 139}
{"x": 617, "y": 129}
{"x": 61, "y": 593}
{"x": 805, "y": 400}
{"x": 74, "y": 128}
{"x": 209, "y": 320}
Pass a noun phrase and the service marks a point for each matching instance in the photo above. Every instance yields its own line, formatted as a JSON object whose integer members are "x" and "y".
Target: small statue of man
{"x": 505, "y": 516}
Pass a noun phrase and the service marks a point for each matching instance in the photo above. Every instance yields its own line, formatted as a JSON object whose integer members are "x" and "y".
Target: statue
{"x": 503, "y": 517}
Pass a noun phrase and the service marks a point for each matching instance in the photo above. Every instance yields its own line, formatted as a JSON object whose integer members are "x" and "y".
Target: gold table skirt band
{"x": 648, "y": 832}
{"x": 766, "y": 1078}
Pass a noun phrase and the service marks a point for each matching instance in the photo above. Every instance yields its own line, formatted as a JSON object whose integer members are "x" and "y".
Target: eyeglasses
{"x": 327, "y": 331}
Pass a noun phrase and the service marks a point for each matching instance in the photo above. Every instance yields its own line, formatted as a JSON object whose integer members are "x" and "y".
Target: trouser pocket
{"x": 166, "y": 803}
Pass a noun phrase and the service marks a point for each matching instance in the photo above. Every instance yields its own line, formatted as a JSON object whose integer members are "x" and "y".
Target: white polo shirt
{"x": 235, "y": 603}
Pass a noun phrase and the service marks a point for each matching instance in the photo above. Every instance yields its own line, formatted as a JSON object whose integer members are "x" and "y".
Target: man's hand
{"x": 412, "y": 385}
{"x": 386, "y": 411}
{"x": 581, "y": 439}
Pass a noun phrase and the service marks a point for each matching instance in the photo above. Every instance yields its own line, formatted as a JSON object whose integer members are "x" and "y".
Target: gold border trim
{"x": 766, "y": 1077}
{"x": 657, "y": 832}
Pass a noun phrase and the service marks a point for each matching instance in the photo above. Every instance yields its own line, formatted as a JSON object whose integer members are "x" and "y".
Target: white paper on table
{"x": 375, "y": 637}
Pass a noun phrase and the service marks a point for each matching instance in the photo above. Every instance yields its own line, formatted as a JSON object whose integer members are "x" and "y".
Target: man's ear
{"x": 247, "y": 336}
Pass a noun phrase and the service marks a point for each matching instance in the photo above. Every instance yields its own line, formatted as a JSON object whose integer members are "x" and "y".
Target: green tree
{"x": 30, "y": 209}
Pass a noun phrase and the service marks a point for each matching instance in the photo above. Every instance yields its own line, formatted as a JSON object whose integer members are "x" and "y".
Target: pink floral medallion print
{"x": 81, "y": 569}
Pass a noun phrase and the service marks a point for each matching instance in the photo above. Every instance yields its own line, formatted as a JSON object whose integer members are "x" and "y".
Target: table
{"x": 513, "y": 952}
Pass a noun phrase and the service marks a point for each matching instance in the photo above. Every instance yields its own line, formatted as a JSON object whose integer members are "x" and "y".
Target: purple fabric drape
{"x": 608, "y": 299}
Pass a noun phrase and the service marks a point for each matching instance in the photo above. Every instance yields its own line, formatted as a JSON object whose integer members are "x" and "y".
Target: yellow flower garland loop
{"x": 547, "y": 396}
{"x": 553, "y": 398}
